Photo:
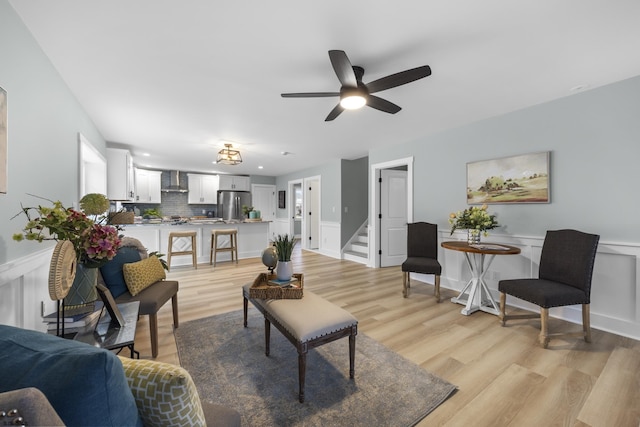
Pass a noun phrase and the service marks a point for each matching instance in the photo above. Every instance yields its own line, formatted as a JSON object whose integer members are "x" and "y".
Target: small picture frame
{"x": 281, "y": 199}
{"x": 110, "y": 304}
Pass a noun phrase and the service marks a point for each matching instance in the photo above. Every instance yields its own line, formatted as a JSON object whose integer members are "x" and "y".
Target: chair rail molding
{"x": 615, "y": 295}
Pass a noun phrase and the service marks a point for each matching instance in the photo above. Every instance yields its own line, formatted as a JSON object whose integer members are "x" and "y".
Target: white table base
{"x": 478, "y": 296}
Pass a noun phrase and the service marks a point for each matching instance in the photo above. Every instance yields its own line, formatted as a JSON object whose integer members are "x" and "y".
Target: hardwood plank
{"x": 499, "y": 402}
{"x": 490, "y": 364}
{"x": 557, "y": 400}
{"x": 615, "y": 396}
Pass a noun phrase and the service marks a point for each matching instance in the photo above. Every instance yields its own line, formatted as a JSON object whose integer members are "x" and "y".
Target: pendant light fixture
{"x": 229, "y": 156}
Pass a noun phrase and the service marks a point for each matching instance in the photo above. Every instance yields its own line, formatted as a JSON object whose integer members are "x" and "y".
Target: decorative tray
{"x": 261, "y": 289}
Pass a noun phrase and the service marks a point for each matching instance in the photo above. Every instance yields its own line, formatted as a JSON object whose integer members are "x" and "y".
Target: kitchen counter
{"x": 196, "y": 223}
{"x": 253, "y": 238}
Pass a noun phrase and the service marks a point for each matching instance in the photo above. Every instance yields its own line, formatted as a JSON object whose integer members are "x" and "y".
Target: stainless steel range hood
{"x": 174, "y": 184}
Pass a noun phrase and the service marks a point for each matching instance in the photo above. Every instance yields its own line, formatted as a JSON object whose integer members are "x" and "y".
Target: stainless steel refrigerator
{"x": 230, "y": 204}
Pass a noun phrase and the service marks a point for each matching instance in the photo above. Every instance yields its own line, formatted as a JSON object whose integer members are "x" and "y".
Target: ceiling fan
{"x": 355, "y": 94}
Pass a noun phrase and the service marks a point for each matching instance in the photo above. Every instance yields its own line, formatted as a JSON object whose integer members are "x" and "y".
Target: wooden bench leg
{"x": 245, "y": 306}
{"x": 302, "y": 369}
{"x": 153, "y": 331}
{"x": 174, "y": 307}
{"x": 267, "y": 336}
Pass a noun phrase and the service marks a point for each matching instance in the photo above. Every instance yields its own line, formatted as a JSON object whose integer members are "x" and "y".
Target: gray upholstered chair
{"x": 422, "y": 255}
{"x": 564, "y": 278}
{"x": 151, "y": 299}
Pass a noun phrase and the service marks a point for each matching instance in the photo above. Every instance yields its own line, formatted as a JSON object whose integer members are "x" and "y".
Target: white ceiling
{"x": 174, "y": 78}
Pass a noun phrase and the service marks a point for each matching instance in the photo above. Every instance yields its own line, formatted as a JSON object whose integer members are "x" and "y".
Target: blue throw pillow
{"x": 112, "y": 271}
{"x": 84, "y": 384}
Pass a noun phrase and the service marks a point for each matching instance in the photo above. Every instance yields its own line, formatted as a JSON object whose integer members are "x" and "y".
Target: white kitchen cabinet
{"x": 203, "y": 189}
{"x": 235, "y": 182}
{"x": 148, "y": 186}
{"x": 120, "y": 180}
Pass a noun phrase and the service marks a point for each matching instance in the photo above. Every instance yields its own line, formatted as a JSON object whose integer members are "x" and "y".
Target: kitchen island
{"x": 253, "y": 238}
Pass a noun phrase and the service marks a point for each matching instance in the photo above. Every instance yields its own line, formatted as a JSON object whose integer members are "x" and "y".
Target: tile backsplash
{"x": 174, "y": 203}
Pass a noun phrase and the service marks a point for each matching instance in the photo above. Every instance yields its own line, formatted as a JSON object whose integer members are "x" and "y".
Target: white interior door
{"x": 311, "y": 214}
{"x": 263, "y": 199}
{"x": 393, "y": 221}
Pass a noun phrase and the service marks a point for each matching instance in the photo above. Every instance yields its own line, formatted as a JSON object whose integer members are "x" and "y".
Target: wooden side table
{"x": 478, "y": 296}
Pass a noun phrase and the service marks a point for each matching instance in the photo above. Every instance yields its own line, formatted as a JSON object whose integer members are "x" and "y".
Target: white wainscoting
{"x": 24, "y": 286}
{"x": 615, "y": 296}
{"x": 615, "y": 289}
{"x": 329, "y": 236}
{"x": 330, "y": 239}
{"x": 280, "y": 226}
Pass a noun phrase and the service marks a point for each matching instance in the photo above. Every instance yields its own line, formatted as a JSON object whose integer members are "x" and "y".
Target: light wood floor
{"x": 504, "y": 377}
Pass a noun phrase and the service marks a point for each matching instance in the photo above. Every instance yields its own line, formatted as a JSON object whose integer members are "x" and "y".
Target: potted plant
{"x": 246, "y": 210}
{"x": 284, "y": 245}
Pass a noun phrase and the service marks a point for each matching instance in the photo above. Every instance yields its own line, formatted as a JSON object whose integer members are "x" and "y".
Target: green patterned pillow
{"x": 165, "y": 394}
{"x": 140, "y": 275}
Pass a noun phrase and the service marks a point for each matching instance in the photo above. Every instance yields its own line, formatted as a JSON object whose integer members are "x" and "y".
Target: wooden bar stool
{"x": 181, "y": 250}
{"x": 233, "y": 244}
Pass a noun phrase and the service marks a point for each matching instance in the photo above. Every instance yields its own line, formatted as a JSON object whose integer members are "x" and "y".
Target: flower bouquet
{"x": 474, "y": 219}
{"x": 94, "y": 243}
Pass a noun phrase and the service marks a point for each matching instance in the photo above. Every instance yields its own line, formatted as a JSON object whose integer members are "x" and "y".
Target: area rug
{"x": 228, "y": 364}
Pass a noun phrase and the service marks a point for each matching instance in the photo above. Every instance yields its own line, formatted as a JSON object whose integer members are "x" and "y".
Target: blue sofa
{"x": 89, "y": 386}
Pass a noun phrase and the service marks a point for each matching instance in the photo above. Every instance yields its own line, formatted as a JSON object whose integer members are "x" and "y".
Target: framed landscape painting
{"x": 515, "y": 179}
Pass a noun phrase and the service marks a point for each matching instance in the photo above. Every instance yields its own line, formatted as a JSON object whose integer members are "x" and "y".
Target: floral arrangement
{"x": 94, "y": 243}
{"x": 473, "y": 218}
{"x": 284, "y": 245}
{"x": 94, "y": 204}
{"x": 247, "y": 210}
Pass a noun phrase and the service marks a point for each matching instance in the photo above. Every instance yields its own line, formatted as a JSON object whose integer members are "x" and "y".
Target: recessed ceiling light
{"x": 146, "y": 154}
{"x": 260, "y": 167}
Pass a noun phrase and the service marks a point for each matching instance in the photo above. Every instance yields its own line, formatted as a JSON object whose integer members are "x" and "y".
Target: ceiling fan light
{"x": 228, "y": 156}
{"x": 353, "y": 102}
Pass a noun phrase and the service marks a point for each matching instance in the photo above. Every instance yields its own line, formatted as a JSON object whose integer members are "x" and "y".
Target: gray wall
{"x": 330, "y": 184}
{"x": 355, "y": 194}
{"x": 594, "y": 139}
{"x": 44, "y": 120}
{"x": 261, "y": 179}
{"x": 343, "y": 184}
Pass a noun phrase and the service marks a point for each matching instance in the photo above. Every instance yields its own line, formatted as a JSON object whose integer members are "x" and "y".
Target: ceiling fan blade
{"x": 310, "y": 95}
{"x": 342, "y": 67}
{"x": 334, "y": 113}
{"x": 382, "y": 104}
{"x": 398, "y": 79}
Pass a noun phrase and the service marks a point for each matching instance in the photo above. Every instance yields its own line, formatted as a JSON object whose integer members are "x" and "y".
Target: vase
{"x": 284, "y": 270}
{"x": 83, "y": 289}
{"x": 473, "y": 236}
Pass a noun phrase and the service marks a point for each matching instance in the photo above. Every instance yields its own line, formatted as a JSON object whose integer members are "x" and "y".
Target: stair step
{"x": 358, "y": 254}
{"x": 360, "y": 247}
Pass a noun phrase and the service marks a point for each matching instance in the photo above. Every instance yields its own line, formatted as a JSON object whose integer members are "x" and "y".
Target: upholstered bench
{"x": 307, "y": 323}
